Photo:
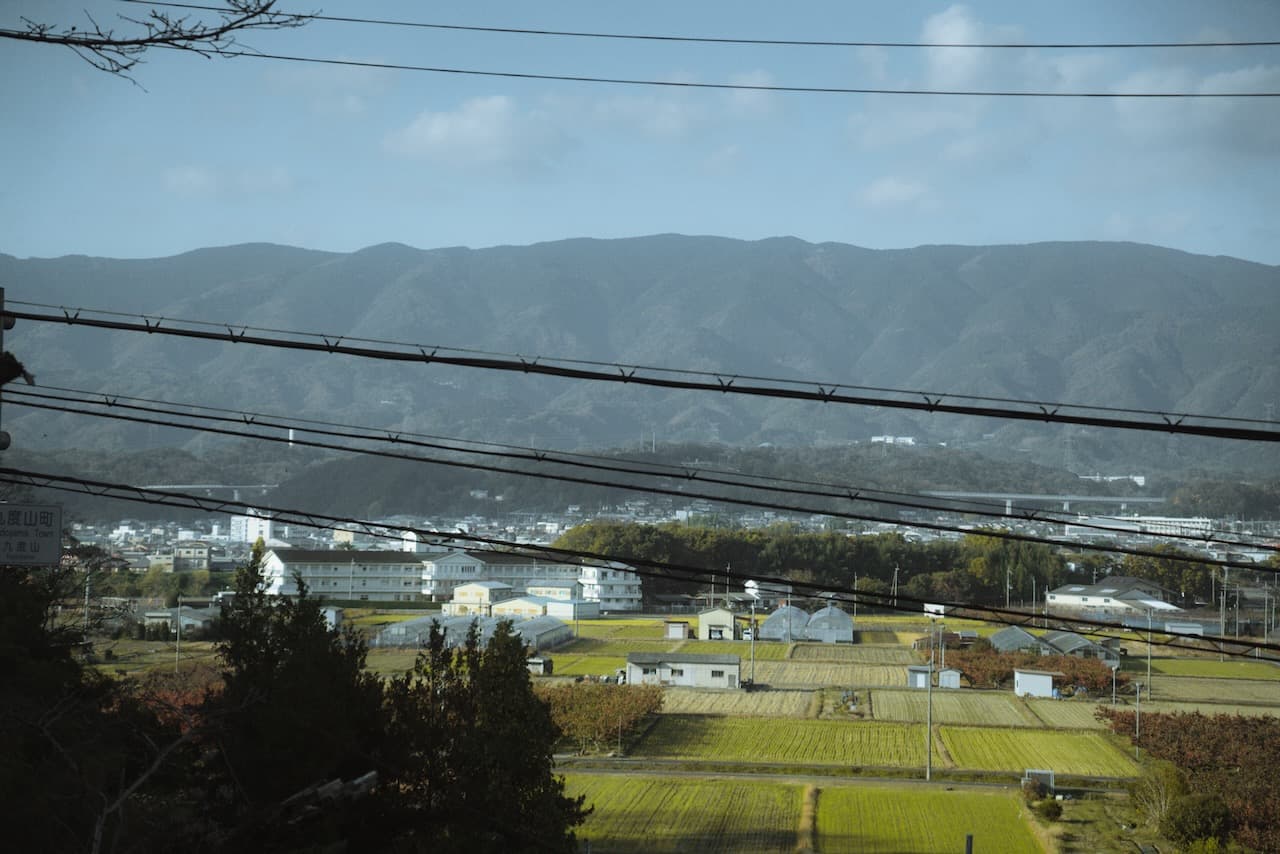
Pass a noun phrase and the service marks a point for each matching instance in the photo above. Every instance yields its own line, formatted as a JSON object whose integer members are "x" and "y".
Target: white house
{"x": 1114, "y": 595}
{"x": 478, "y": 598}
{"x": 614, "y": 586}
{"x": 690, "y": 669}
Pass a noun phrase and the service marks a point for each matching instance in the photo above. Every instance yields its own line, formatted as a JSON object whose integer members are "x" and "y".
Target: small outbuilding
{"x": 716, "y": 624}
{"x": 676, "y": 630}
{"x": 919, "y": 675}
{"x": 949, "y": 677}
{"x": 1034, "y": 683}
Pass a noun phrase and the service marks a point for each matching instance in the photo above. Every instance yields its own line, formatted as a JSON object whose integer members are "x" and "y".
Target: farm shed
{"x": 716, "y": 624}
{"x": 539, "y": 632}
{"x": 573, "y": 609}
{"x": 1034, "y": 683}
{"x": 1070, "y": 643}
{"x": 788, "y": 623}
{"x": 540, "y": 665}
{"x": 695, "y": 670}
{"x": 830, "y": 625}
{"x": 919, "y": 675}
{"x": 949, "y": 678}
{"x": 675, "y": 630}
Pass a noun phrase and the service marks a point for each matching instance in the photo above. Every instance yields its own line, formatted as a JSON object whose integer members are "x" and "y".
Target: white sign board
{"x": 30, "y": 534}
{"x": 935, "y": 610}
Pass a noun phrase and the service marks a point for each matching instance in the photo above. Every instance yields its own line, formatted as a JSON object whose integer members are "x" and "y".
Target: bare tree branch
{"x": 117, "y": 50}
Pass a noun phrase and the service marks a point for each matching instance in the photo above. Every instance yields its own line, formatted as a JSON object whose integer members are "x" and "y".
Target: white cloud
{"x": 953, "y": 67}
{"x": 891, "y": 191}
{"x": 753, "y": 102}
{"x": 190, "y": 180}
{"x": 484, "y": 131}
{"x": 343, "y": 90}
{"x": 664, "y": 116}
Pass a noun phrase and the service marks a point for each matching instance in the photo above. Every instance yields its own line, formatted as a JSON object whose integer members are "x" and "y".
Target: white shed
{"x": 716, "y": 624}
{"x": 1034, "y": 683}
{"x": 918, "y": 676}
{"x": 949, "y": 677}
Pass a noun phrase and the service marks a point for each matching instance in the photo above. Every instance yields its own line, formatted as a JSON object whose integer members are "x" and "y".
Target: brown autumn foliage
{"x": 593, "y": 714}
{"x": 986, "y": 668}
{"x": 1234, "y": 756}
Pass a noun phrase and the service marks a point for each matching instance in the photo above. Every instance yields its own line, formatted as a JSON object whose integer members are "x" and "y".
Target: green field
{"x": 765, "y": 650}
{"x": 917, "y": 819}
{"x": 978, "y": 708}
{"x": 1067, "y": 714}
{"x": 643, "y": 814}
{"x": 637, "y": 629}
{"x": 1211, "y": 667}
{"x": 611, "y": 646}
{"x": 1201, "y": 689}
{"x": 788, "y": 741}
{"x": 1088, "y": 754}
{"x": 587, "y": 665}
{"x": 756, "y": 704}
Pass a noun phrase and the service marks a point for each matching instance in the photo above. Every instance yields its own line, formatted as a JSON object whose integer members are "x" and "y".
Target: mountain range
{"x": 1112, "y": 324}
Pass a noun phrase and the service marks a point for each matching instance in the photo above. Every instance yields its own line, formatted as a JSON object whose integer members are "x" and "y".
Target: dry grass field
{"x": 757, "y": 704}
{"x": 818, "y": 674}
{"x": 1201, "y": 689}
{"x": 991, "y": 749}
{"x": 972, "y": 708}
{"x": 882, "y": 654}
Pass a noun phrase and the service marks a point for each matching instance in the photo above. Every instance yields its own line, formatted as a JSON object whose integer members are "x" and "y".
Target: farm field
{"x": 782, "y": 740}
{"x": 767, "y": 704}
{"x": 818, "y": 674}
{"x": 370, "y": 621}
{"x": 610, "y": 646}
{"x": 390, "y": 661}
{"x": 1210, "y": 708}
{"x": 1210, "y": 667}
{"x": 890, "y": 819}
{"x": 588, "y": 665}
{"x": 986, "y": 708}
{"x": 636, "y": 629}
{"x": 1066, "y": 714}
{"x": 854, "y": 654}
{"x": 1201, "y": 689}
{"x": 765, "y": 650}
{"x": 1088, "y": 754}
{"x": 133, "y": 657}
{"x": 644, "y": 814}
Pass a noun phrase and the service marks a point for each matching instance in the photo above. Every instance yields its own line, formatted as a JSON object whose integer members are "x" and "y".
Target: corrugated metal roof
{"x": 682, "y": 658}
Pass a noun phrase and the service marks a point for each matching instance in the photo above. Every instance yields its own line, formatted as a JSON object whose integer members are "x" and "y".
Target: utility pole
{"x": 928, "y": 724}
{"x": 1008, "y": 583}
{"x": 1149, "y": 655}
{"x": 855, "y": 599}
{"x": 895, "y": 586}
{"x": 177, "y": 647}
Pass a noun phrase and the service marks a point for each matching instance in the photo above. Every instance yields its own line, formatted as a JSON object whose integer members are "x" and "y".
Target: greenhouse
{"x": 537, "y": 632}
{"x": 830, "y": 625}
{"x": 785, "y": 624}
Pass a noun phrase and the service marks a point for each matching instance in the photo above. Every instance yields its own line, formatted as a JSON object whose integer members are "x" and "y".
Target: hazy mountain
{"x": 1115, "y": 324}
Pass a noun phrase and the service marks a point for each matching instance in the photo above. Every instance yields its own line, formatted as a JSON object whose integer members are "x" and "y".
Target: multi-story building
{"x": 375, "y": 576}
{"x": 442, "y": 573}
{"x": 249, "y": 527}
{"x": 614, "y": 586}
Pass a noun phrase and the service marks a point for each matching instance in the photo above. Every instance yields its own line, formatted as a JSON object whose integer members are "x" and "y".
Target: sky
{"x": 201, "y": 152}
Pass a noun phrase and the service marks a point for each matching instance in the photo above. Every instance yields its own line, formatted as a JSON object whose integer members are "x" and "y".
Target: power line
{"x": 724, "y": 383}
{"x": 740, "y": 87}
{"x": 683, "y": 572}
{"x": 733, "y": 41}
{"x": 689, "y": 494}
{"x": 685, "y": 474}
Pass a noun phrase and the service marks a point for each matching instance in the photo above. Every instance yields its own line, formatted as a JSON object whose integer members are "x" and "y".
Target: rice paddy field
{"x": 1202, "y": 689}
{"x": 588, "y": 665}
{"x": 1207, "y": 667}
{"x": 1089, "y": 754}
{"x": 818, "y": 674}
{"x": 768, "y": 704}
{"x": 785, "y": 741}
{"x": 657, "y": 814}
{"x": 972, "y": 708}
{"x": 640, "y": 813}
{"x": 879, "y": 819}
{"x": 765, "y": 650}
{"x": 1065, "y": 714}
{"x": 636, "y": 629}
{"x": 882, "y": 654}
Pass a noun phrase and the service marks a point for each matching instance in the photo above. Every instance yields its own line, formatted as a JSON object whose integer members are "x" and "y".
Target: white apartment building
{"x": 374, "y": 576}
{"x": 249, "y": 527}
{"x": 442, "y": 573}
{"x": 614, "y": 586}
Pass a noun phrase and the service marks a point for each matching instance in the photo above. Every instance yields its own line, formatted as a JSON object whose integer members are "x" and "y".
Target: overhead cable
{"x": 724, "y": 383}
{"x": 683, "y": 473}
{"x": 340, "y": 19}
{"x": 643, "y": 567}
{"x": 690, "y": 494}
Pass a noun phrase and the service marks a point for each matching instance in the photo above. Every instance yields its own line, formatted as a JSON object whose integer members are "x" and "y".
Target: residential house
{"x": 716, "y": 624}
{"x": 696, "y": 670}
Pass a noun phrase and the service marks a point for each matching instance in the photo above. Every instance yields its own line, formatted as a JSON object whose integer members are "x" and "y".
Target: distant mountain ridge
{"x": 1118, "y": 324}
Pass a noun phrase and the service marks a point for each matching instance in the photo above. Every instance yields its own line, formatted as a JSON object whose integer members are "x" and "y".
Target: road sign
{"x": 30, "y": 534}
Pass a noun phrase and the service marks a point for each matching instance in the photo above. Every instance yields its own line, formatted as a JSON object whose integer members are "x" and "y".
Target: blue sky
{"x": 213, "y": 152}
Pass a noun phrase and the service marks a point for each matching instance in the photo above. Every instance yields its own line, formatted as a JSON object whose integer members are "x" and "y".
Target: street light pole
{"x": 1114, "y": 668}
{"x": 177, "y": 647}
{"x": 753, "y": 644}
{"x": 928, "y": 726}
{"x": 1149, "y": 654}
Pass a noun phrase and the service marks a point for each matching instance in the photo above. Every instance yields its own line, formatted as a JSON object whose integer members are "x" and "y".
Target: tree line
{"x": 286, "y": 743}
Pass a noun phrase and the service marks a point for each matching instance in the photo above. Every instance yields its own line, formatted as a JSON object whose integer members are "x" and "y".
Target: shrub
{"x": 1197, "y": 817}
{"x": 1050, "y": 809}
{"x": 1033, "y": 790}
